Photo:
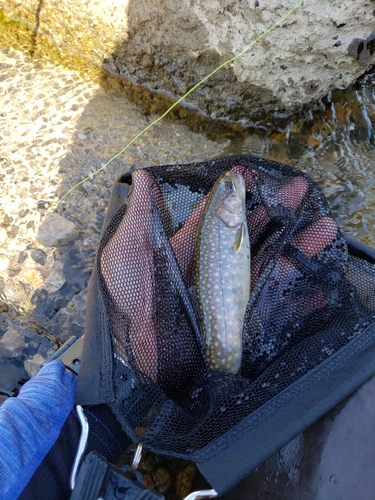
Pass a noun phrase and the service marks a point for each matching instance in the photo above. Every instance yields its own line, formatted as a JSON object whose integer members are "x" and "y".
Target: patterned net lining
{"x": 309, "y": 298}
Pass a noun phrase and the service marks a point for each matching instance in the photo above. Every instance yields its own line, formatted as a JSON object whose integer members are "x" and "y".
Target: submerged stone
{"x": 11, "y": 343}
{"x": 56, "y": 231}
{"x": 32, "y": 365}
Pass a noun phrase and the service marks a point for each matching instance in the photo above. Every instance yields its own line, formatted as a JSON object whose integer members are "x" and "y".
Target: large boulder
{"x": 168, "y": 47}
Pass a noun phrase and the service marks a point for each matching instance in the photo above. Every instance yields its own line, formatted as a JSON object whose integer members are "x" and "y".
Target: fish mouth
{"x": 239, "y": 184}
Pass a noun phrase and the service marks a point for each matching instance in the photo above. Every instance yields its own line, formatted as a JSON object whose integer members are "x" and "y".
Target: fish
{"x": 222, "y": 272}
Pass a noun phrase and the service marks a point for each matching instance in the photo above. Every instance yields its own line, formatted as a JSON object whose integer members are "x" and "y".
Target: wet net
{"x": 309, "y": 299}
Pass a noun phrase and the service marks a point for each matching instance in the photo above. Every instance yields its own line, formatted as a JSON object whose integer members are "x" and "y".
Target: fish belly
{"x": 223, "y": 292}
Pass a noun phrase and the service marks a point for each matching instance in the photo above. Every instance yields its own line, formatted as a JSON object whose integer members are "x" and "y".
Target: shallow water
{"x": 58, "y": 127}
{"x": 335, "y": 145}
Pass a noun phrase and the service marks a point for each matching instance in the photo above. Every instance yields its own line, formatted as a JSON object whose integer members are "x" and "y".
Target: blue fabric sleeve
{"x": 31, "y": 423}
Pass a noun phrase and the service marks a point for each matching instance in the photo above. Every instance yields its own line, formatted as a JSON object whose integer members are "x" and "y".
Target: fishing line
{"x": 229, "y": 61}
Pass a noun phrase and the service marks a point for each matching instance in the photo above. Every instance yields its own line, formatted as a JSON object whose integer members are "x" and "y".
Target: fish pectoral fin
{"x": 239, "y": 238}
{"x": 208, "y": 338}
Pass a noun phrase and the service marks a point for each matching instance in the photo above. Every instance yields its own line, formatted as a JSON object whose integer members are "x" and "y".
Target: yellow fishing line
{"x": 232, "y": 59}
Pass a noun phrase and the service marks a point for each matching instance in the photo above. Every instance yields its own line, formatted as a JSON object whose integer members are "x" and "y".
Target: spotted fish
{"x": 222, "y": 272}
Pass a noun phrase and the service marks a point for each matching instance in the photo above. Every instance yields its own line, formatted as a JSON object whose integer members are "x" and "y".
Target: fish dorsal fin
{"x": 239, "y": 238}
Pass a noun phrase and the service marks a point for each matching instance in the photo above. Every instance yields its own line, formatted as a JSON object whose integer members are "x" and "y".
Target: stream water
{"x": 57, "y": 128}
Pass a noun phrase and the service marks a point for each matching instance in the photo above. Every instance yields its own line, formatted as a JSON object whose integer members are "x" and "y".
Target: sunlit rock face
{"x": 321, "y": 46}
{"x": 169, "y": 48}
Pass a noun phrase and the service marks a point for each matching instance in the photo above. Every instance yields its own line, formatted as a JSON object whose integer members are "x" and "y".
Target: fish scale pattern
{"x": 309, "y": 299}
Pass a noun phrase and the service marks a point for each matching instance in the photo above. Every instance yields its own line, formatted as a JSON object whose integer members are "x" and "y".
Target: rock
{"x": 163, "y": 480}
{"x": 148, "y": 481}
{"x": 315, "y": 49}
{"x": 362, "y": 50}
{"x": 301, "y": 51}
{"x": 54, "y": 281}
{"x": 313, "y": 141}
{"x": 360, "y": 117}
{"x": 56, "y": 231}
{"x": 38, "y": 256}
{"x": 32, "y": 365}
{"x": 70, "y": 319}
{"x": 11, "y": 343}
{"x": 184, "y": 481}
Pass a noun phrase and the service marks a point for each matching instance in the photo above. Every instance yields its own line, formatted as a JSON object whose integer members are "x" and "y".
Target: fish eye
{"x": 228, "y": 186}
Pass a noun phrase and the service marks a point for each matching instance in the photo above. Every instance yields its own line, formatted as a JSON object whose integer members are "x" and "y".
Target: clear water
{"x": 58, "y": 127}
{"x": 335, "y": 145}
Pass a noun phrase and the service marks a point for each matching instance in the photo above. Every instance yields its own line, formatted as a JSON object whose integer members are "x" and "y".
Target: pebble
{"x": 148, "y": 481}
{"x": 54, "y": 281}
{"x": 11, "y": 343}
{"x": 38, "y": 256}
{"x": 56, "y": 231}
{"x": 184, "y": 481}
{"x": 163, "y": 480}
{"x": 32, "y": 365}
{"x": 22, "y": 257}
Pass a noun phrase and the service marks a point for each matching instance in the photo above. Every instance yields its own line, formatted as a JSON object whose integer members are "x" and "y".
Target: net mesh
{"x": 309, "y": 298}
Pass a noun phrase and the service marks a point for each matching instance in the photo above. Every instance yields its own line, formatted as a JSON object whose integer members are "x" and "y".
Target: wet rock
{"x": 76, "y": 271}
{"x": 313, "y": 141}
{"x": 14, "y": 270}
{"x": 12, "y": 375}
{"x": 11, "y": 343}
{"x": 32, "y": 365}
{"x": 91, "y": 242}
{"x": 360, "y": 118}
{"x": 184, "y": 481}
{"x": 148, "y": 481}
{"x": 47, "y": 304}
{"x": 3, "y": 308}
{"x": 38, "y": 256}
{"x": 34, "y": 277}
{"x": 70, "y": 319}
{"x": 22, "y": 257}
{"x": 182, "y": 61}
{"x": 170, "y": 68}
{"x": 56, "y": 231}
{"x": 54, "y": 281}
{"x": 163, "y": 480}
{"x": 362, "y": 50}
{"x": 147, "y": 464}
{"x": 366, "y": 79}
